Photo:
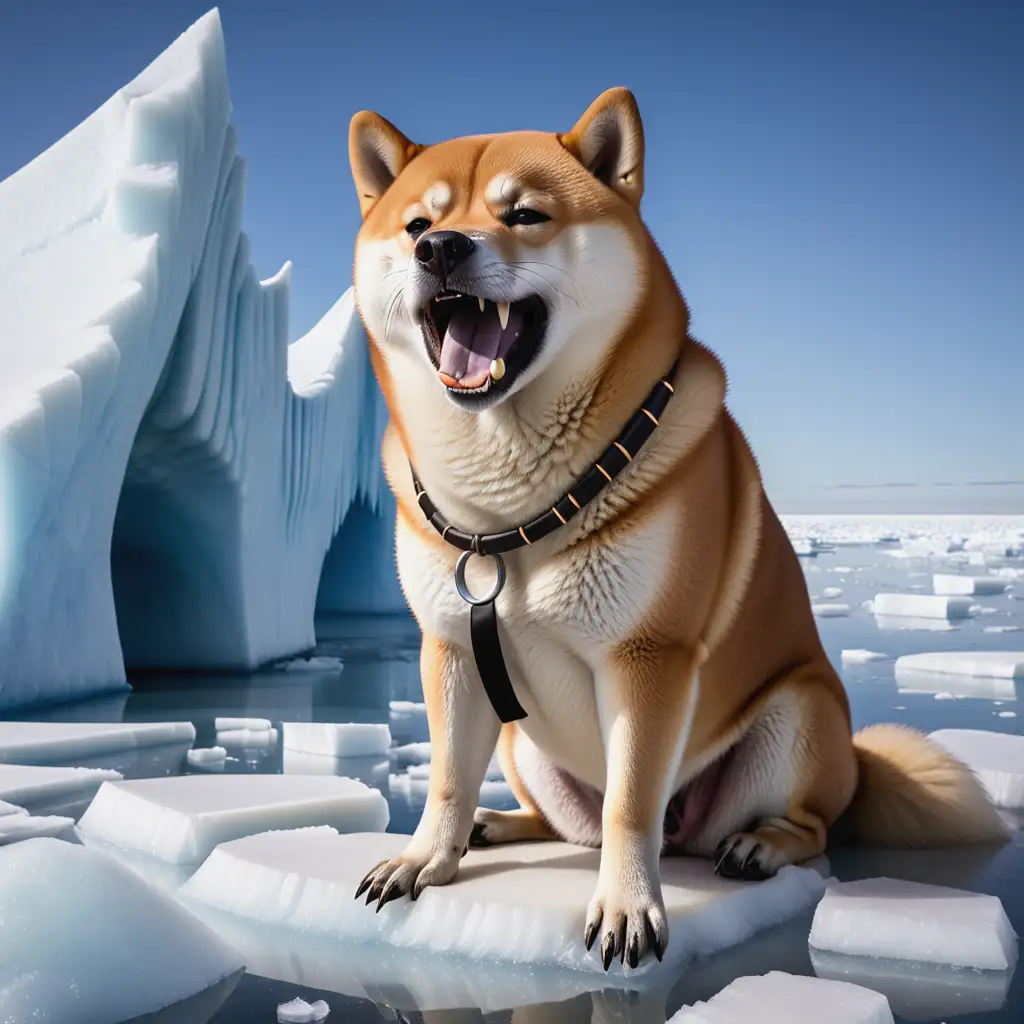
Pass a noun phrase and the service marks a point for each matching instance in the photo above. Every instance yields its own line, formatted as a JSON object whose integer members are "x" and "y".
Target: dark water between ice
{"x": 380, "y": 658}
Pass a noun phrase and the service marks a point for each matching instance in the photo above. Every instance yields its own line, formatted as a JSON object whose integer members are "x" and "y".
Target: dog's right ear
{"x": 378, "y": 152}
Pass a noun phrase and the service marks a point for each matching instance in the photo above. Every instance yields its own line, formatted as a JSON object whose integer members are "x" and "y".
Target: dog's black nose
{"x": 441, "y": 252}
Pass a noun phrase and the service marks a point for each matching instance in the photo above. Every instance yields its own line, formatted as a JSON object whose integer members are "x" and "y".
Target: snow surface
{"x": 997, "y": 759}
{"x": 328, "y": 739}
{"x": 779, "y": 998}
{"x": 928, "y": 606}
{"x": 17, "y": 827}
{"x": 298, "y": 1011}
{"x": 181, "y": 819}
{"x": 947, "y": 584}
{"x": 525, "y": 904}
{"x": 162, "y": 446}
{"x": 30, "y": 784}
{"x": 990, "y": 664}
{"x": 53, "y": 742}
{"x": 902, "y": 920}
{"x": 85, "y": 940}
{"x": 6, "y": 808}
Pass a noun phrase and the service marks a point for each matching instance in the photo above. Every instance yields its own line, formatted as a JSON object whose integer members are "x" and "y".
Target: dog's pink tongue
{"x": 473, "y": 340}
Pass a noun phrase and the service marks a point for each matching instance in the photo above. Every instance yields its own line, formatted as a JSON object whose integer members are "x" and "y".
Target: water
{"x": 380, "y": 659}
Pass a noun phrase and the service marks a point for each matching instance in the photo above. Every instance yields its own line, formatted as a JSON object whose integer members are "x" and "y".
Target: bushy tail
{"x": 914, "y": 794}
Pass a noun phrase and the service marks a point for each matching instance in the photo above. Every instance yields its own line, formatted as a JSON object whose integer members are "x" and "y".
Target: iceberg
{"x": 181, "y": 819}
{"x": 172, "y": 471}
{"x": 85, "y": 940}
{"x": 521, "y": 904}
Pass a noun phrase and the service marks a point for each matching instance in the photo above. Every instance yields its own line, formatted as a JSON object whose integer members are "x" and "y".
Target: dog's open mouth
{"x": 480, "y": 347}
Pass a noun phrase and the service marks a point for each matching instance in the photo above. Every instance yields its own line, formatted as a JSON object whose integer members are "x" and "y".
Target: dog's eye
{"x": 524, "y": 216}
{"x": 417, "y": 226}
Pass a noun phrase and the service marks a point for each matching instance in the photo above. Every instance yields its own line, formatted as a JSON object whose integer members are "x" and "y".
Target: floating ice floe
{"x": 948, "y": 584}
{"x": 832, "y": 592}
{"x": 6, "y": 809}
{"x": 830, "y": 611}
{"x": 16, "y": 827}
{"x": 779, "y": 998}
{"x": 42, "y": 743}
{"x": 408, "y": 721}
{"x": 410, "y": 753}
{"x": 152, "y": 411}
{"x": 85, "y": 940}
{"x": 298, "y": 1011}
{"x": 412, "y": 786}
{"x": 901, "y": 920}
{"x": 860, "y": 656}
{"x": 996, "y": 758}
{"x": 525, "y": 904}
{"x": 32, "y": 784}
{"x": 927, "y": 606}
{"x": 235, "y": 724}
{"x": 207, "y": 757}
{"x": 329, "y": 739}
{"x": 994, "y": 664}
{"x": 251, "y": 739}
{"x": 1000, "y": 629}
{"x": 180, "y": 820}
{"x": 903, "y": 623}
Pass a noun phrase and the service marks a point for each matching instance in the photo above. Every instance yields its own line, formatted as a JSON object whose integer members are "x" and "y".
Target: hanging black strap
{"x": 483, "y": 616}
{"x": 483, "y": 631}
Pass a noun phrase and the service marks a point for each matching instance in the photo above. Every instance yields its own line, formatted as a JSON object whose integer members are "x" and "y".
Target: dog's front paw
{"x": 631, "y": 921}
{"x": 747, "y": 856}
{"x": 408, "y": 874}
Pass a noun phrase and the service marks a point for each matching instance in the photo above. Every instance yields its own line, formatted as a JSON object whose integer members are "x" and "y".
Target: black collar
{"x": 483, "y": 618}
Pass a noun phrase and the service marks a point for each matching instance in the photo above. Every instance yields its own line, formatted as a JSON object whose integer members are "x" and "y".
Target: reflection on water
{"x": 364, "y": 664}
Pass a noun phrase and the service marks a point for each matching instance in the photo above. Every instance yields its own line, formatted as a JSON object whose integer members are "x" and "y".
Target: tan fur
{"x": 668, "y": 624}
{"x": 914, "y": 794}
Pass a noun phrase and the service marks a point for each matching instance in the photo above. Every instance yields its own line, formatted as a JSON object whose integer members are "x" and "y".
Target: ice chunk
{"x": 413, "y": 784}
{"x": 905, "y": 622}
{"x": 349, "y": 739}
{"x": 30, "y": 784}
{"x": 830, "y": 611}
{"x": 317, "y": 664}
{"x": 521, "y": 904}
{"x": 918, "y": 991}
{"x": 253, "y": 739}
{"x": 860, "y": 656}
{"x": 901, "y": 920}
{"x": 41, "y": 743}
{"x": 85, "y": 940}
{"x": 779, "y": 998}
{"x": 15, "y": 827}
{"x": 832, "y": 592}
{"x": 6, "y": 808}
{"x": 947, "y": 584}
{"x": 161, "y": 443}
{"x": 230, "y": 724}
{"x": 989, "y": 664}
{"x": 208, "y": 757}
{"x": 180, "y": 820}
{"x": 410, "y": 753}
{"x": 1000, "y": 629}
{"x": 926, "y": 606}
{"x": 408, "y": 721}
{"x": 913, "y": 680}
{"x": 298, "y": 1011}
{"x": 997, "y": 758}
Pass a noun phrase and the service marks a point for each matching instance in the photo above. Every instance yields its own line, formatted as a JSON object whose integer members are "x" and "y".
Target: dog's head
{"x": 492, "y": 259}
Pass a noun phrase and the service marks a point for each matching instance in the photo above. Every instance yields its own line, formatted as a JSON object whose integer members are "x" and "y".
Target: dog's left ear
{"x": 609, "y": 141}
{"x": 378, "y": 152}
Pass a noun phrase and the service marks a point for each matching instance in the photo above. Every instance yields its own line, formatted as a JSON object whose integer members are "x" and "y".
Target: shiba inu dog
{"x": 661, "y": 642}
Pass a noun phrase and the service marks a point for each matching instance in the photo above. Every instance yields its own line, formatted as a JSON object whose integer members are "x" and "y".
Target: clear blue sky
{"x": 839, "y": 188}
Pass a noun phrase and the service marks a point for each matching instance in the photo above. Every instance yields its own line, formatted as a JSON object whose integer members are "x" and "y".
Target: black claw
{"x": 747, "y": 861}
{"x": 653, "y": 942}
{"x": 607, "y": 950}
{"x": 465, "y": 850}
{"x": 391, "y": 892}
{"x": 477, "y": 838}
{"x": 590, "y": 934}
{"x": 633, "y": 950}
{"x": 364, "y": 884}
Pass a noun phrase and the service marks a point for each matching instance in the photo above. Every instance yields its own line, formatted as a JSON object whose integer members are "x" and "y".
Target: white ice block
{"x": 408, "y": 721}
{"x": 28, "y": 784}
{"x": 298, "y": 1011}
{"x": 832, "y": 592}
{"x": 207, "y": 757}
{"x": 6, "y": 809}
{"x": 85, "y": 940}
{"x": 251, "y": 739}
{"x": 922, "y": 606}
{"x": 860, "y": 656}
{"x": 525, "y": 903}
{"x": 779, "y": 998}
{"x": 413, "y": 784}
{"x": 997, "y": 759}
{"x": 329, "y": 739}
{"x": 410, "y": 753}
{"x": 943, "y": 583}
{"x": 180, "y": 820}
{"x": 901, "y": 920}
{"x": 17, "y": 827}
{"x": 830, "y": 611}
{"x": 231, "y": 724}
{"x": 41, "y": 743}
{"x": 987, "y": 664}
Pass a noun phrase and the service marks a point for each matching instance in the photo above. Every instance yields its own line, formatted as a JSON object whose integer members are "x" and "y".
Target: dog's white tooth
{"x": 503, "y": 314}
{"x": 482, "y": 301}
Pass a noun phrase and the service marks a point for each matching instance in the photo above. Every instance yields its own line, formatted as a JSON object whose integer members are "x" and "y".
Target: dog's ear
{"x": 378, "y": 152}
{"x": 609, "y": 141}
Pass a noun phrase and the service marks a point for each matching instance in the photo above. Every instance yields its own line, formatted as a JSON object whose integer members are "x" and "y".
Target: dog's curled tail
{"x": 914, "y": 794}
